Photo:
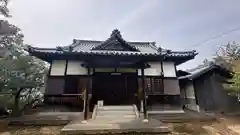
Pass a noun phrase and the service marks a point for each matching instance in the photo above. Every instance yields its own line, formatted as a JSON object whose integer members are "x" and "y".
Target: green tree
{"x": 234, "y": 86}
{"x": 22, "y": 76}
{"x": 229, "y": 57}
{"x": 5, "y": 27}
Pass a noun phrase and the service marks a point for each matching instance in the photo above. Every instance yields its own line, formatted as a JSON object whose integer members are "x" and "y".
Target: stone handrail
{"x": 94, "y": 112}
{"x": 136, "y": 111}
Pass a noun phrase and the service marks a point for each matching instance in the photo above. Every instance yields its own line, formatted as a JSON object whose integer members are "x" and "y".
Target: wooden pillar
{"x": 162, "y": 77}
{"x": 144, "y": 94}
{"x": 86, "y": 96}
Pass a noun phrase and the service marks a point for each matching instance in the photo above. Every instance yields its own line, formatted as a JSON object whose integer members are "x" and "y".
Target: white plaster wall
{"x": 75, "y": 68}
{"x": 58, "y": 68}
{"x": 182, "y": 93}
{"x": 190, "y": 91}
{"x": 154, "y": 70}
{"x": 190, "y": 94}
{"x": 171, "y": 87}
{"x": 169, "y": 69}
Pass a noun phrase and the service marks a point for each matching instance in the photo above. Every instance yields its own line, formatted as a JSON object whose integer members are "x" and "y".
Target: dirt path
{"x": 226, "y": 126}
{"x": 222, "y": 130}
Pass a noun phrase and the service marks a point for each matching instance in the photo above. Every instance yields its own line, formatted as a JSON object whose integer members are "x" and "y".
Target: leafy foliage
{"x": 229, "y": 57}
{"x": 18, "y": 68}
{"x": 22, "y": 76}
{"x": 234, "y": 86}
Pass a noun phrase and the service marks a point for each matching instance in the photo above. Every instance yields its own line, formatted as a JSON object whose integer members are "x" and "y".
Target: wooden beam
{"x": 65, "y": 77}
{"x": 50, "y": 68}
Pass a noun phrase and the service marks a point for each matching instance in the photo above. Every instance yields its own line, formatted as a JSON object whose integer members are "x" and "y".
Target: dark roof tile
{"x": 134, "y": 48}
{"x": 204, "y": 69}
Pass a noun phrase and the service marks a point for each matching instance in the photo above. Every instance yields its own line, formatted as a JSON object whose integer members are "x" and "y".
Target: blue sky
{"x": 172, "y": 24}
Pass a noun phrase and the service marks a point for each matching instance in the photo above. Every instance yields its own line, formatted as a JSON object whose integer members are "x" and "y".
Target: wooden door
{"x": 114, "y": 89}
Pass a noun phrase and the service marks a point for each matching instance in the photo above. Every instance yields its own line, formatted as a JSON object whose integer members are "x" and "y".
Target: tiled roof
{"x": 98, "y": 52}
{"x": 84, "y": 47}
{"x": 114, "y": 45}
{"x": 204, "y": 69}
{"x": 88, "y": 45}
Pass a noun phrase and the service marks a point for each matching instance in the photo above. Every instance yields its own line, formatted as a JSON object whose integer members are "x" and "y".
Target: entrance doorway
{"x": 114, "y": 89}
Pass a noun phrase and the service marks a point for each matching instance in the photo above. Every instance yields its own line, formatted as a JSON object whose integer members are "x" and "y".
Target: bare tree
{"x": 3, "y": 8}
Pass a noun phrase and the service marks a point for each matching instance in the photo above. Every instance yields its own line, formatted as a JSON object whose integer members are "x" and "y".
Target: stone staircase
{"x": 114, "y": 119}
{"x": 115, "y": 113}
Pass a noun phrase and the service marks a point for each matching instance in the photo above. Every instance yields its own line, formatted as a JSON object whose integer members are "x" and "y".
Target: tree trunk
{"x": 29, "y": 104}
{"x": 16, "y": 110}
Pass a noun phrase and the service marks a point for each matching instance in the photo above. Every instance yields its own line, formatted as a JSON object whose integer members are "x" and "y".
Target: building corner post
{"x": 86, "y": 96}
{"x": 144, "y": 94}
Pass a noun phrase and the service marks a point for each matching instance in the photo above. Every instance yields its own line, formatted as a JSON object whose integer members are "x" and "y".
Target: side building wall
{"x": 55, "y": 81}
{"x": 224, "y": 102}
{"x": 163, "y": 85}
{"x": 204, "y": 92}
{"x": 60, "y": 71}
{"x": 63, "y": 82}
{"x": 189, "y": 97}
{"x": 211, "y": 95}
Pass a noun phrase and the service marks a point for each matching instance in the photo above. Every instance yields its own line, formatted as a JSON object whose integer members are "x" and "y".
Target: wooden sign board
{"x": 100, "y": 103}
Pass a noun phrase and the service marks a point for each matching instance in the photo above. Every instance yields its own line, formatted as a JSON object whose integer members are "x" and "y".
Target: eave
{"x": 211, "y": 68}
{"x": 49, "y": 55}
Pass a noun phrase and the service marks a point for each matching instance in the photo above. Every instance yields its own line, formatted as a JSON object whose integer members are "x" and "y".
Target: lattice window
{"x": 156, "y": 85}
{"x": 152, "y": 84}
{"x": 148, "y": 84}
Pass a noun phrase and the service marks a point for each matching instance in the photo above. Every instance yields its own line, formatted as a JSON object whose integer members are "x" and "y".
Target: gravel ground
{"x": 30, "y": 130}
{"x": 194, "y": 128}
{"x": 180, "y": 129}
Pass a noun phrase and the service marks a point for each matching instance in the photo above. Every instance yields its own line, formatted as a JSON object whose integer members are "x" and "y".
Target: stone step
{"x": 104, "y": 120}
{"x": 116, "y": 108}
{"x": 115, "y": 112}
{"x": 111, "y": 114}
{"x": 115, "y": 116}
{"x": 114, "y": 119}
{"x": 121, "y": 110}
{"x": 116, "y": 126}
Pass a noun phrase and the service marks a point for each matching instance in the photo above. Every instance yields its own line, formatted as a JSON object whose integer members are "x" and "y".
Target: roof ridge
{"x": 115, "y": 37}
{"x": 42, "y": 48}
{"x": 86, "y": 40}
{"x": 153, "y": 45}
{"x": 140, "y": 42}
